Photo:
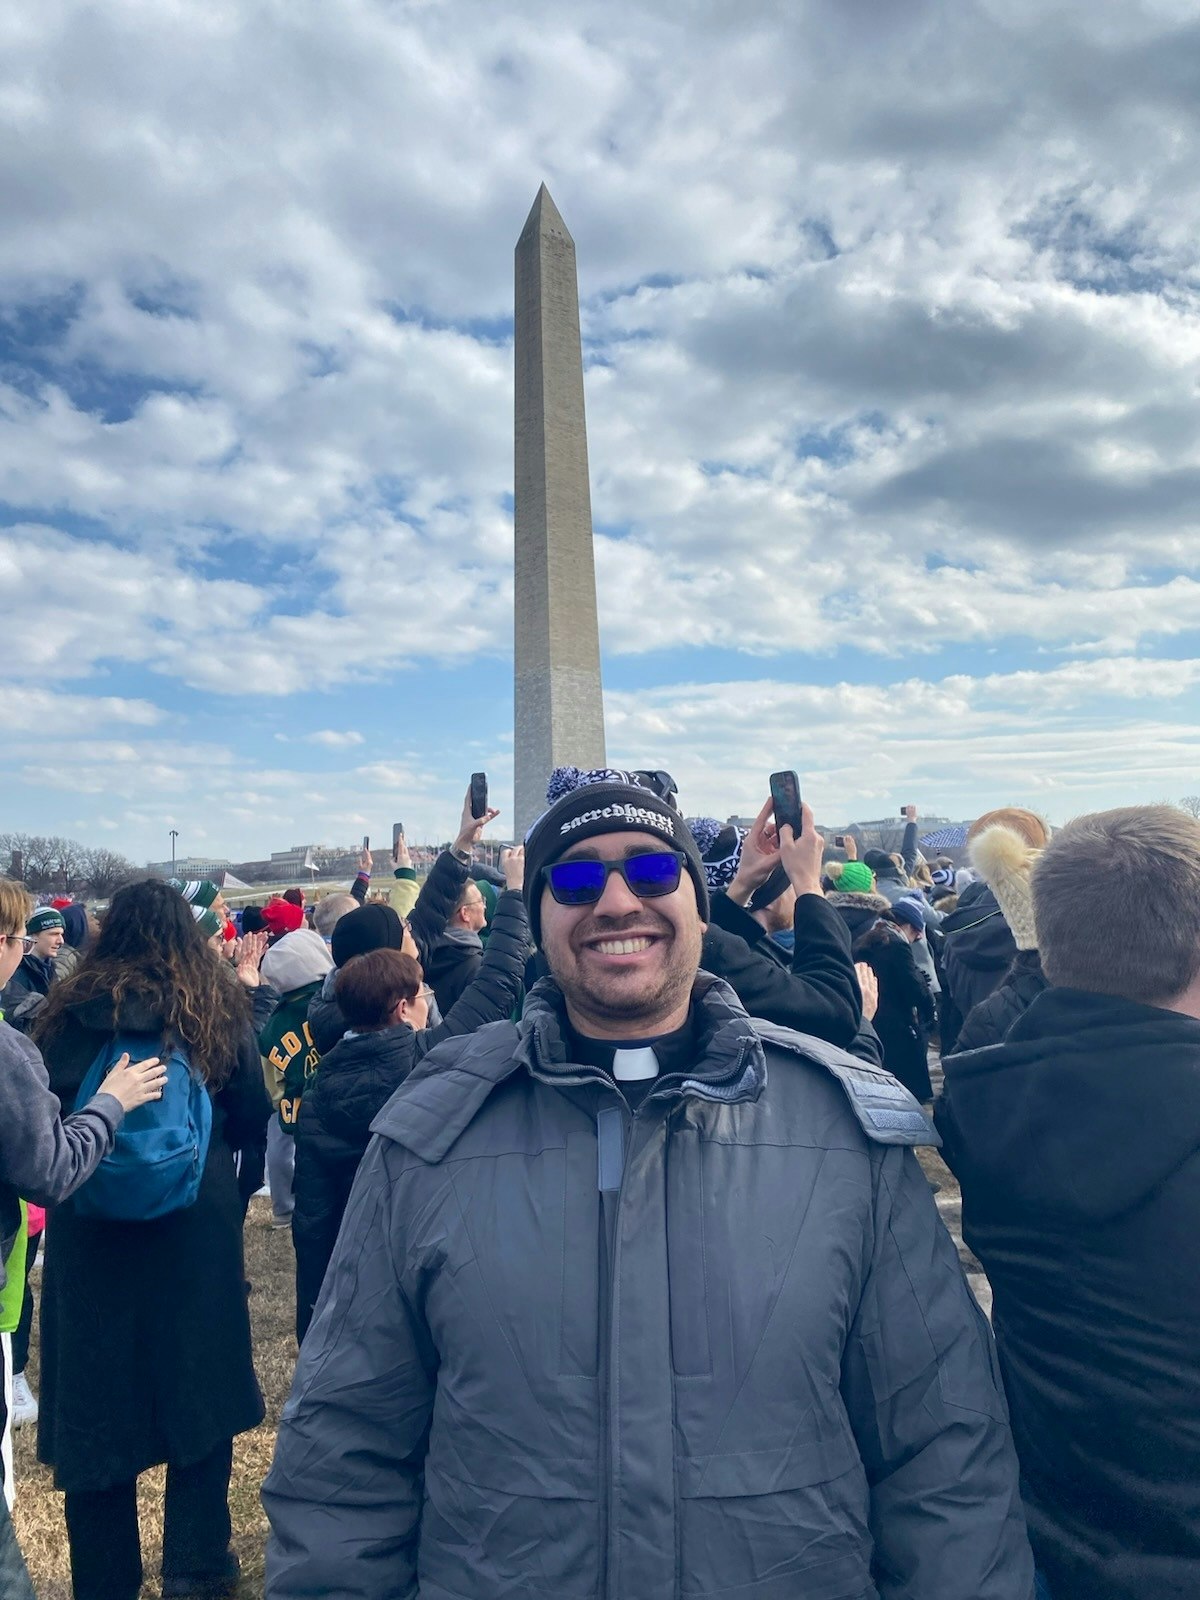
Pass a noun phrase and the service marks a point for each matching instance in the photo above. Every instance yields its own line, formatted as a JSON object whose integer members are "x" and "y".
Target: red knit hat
{"x": 281, "y": 916}
{"x": 61, "y": 902}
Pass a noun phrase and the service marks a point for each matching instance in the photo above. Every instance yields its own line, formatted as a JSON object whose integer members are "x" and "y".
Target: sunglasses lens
{"x": 576, "y": 883}
{"x": 653, "y": 874}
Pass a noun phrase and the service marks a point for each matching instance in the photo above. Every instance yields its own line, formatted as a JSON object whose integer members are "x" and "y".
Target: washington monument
{"x": 559, "y": 706}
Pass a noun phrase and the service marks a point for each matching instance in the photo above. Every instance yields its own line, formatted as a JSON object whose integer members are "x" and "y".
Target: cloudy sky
{"x": 892, "y": 327}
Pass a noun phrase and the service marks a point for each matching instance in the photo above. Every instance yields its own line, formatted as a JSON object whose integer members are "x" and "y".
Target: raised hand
{"x": 247, "y": 958}
{"x": 802, "y": 857}
{"x": 471, "y": 828}
{"x": 512, "y": 864}
{"x": 759, "y": 858}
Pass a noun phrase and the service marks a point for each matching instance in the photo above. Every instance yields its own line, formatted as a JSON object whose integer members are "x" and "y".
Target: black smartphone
{"x": 397, "y": 835}
{"x": 785, "y": 797}
{"x": 839, "y": 840}
{"x": 479, "y": 795}
{"x": 904, "y": 812}
{"x": 366, "y": 841}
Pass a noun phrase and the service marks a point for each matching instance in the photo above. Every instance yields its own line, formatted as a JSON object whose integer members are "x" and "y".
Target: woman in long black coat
{"x": 906, "y": 1010}
{"x": 145, "y": 1331}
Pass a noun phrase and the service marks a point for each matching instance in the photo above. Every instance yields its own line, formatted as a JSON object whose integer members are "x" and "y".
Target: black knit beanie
{"x": 372, "y": 927}
{"x": 604, "y": 808}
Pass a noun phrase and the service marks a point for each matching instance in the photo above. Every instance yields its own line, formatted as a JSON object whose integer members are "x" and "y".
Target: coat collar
{"x": 441, "y": 1098}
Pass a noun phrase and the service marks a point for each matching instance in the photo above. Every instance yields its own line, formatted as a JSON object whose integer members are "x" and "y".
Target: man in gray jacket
{"x": 640, "y": 1299}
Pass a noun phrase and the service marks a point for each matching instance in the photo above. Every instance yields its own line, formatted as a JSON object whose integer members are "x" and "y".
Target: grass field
{"x": 38, "y": 1515}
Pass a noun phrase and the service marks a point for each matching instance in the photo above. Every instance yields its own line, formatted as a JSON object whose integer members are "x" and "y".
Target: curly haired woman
{"x": 145, "y": 1332}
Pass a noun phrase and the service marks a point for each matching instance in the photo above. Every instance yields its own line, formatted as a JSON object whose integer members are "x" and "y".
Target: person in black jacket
{"x": 881, "y": 938}
{"x": 813, "y": 987}
{"x": 642, "y": 1297}
{"x": 1005, "y": 860}
{"x": 145, "y": 1331}
{"x": 376, "y": 926}
{"x": 25, "y": 992}
{"x": 1077, "y": 1146}
{"x": 977, "y": 943}
{"x": 383, "y": 998}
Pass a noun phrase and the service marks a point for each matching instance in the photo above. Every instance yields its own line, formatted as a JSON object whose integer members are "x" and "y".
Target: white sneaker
{"x": 24, "y": 1401}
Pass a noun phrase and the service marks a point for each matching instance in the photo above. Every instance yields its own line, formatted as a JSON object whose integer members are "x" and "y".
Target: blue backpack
{"x": 156, "y": 1163}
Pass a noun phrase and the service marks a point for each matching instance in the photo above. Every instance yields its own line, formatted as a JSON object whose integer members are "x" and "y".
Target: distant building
{"x": 188, "y": 867}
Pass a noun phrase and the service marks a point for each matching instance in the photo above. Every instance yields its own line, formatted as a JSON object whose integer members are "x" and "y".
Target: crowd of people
{"x": 616, "y": 1270}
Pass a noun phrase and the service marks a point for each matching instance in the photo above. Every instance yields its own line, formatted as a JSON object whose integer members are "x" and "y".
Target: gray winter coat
{"x": 777, "y": 1386}
{"x": 43, "y": 1158}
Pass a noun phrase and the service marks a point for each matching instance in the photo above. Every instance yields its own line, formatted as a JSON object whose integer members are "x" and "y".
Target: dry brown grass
{"x": 38, "y": 1515}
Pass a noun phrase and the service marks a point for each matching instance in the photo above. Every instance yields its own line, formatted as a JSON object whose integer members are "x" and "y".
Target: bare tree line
{"x": 45, "y": 862}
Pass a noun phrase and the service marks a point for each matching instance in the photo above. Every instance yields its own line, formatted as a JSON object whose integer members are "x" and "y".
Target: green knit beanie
{"x": 207, "y": 921}
{"x": 856, "y": 878}
{"x": 44, "y": 918}
{"x": 196, "y": 891}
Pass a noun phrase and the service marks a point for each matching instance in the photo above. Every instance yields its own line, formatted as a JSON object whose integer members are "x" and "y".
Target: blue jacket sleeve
{"x": 922, "y": 1390}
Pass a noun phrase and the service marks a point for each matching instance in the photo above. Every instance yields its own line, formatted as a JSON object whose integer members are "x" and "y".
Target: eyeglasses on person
{"x": 581, "y": 882}
{"x": 25, "y": 940}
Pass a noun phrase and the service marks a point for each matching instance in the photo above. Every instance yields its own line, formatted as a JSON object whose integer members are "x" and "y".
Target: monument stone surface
{"x": 559, "y": 701}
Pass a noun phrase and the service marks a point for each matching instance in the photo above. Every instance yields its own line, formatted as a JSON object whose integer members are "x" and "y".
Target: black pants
{"x": 106, "y": 1549}
{"x": 21, "y": 1336}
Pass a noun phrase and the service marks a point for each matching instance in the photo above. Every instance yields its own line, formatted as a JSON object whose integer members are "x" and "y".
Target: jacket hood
{"x": 1086, "y": 1108}
{"x": 859, "y": 901}
{"x": 76, "y": 925}
{"x": 297, "y": 959}
{"x": 977, "y": 933}
{"x": 137, "y": 1013}
{"x": 359, "y": 1075}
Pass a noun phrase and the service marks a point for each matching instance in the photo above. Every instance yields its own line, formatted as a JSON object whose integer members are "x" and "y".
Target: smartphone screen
{"x": 397, "y": 833}
{"x": 366, "y": 841}
{"x": 479, "y": 794}
{"x": 839, "y": 840}
{"x": 785, "y": 796}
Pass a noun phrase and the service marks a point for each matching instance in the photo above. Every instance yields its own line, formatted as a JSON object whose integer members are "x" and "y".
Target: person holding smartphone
{"x": 643, "y": 1296}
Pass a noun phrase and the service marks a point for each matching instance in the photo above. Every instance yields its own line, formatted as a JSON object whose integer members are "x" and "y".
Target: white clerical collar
{"x": 634, "y": 1066}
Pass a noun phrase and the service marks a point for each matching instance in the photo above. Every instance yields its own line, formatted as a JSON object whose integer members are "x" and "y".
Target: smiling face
{"x": 625, "y": 965}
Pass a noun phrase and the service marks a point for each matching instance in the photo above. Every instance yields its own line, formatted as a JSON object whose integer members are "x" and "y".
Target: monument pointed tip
{"x": 544, "y": 215}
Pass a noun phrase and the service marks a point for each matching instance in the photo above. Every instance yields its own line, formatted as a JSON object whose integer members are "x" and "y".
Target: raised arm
{"x": 494, "y": 990}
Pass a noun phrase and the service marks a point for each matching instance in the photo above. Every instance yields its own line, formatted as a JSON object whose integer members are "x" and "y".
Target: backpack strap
{"x": 883, "y": 1108}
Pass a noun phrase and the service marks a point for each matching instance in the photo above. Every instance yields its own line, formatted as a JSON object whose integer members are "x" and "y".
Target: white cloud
{"x": 891, "y": 316}
{"x": 333, "y": 738}
{"x": 26, "y": 709}
{"x": 959, "y": 744}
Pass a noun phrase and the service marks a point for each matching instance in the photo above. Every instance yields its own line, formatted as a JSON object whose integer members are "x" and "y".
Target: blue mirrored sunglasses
{"x": 581, "y": 882}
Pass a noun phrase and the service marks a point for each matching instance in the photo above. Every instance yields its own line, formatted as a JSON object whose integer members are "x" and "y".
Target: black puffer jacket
{"x": 977, "y": 951}
{"x": 1077, "y": 1145}
{"x": 426, "y": 922}
{"x": 906, "y": 1010}
{"x": 809, "y": 990}
{"x": 720, "y": 1347}
{"x": 991, "y": 1019}
{"x": 355, "y": 1081}
{"x": 816, "y": 992}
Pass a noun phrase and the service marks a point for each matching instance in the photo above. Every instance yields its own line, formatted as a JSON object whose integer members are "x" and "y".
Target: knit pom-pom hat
{"x": 1004, "y": 858}
{"x": 720, "y": 846}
